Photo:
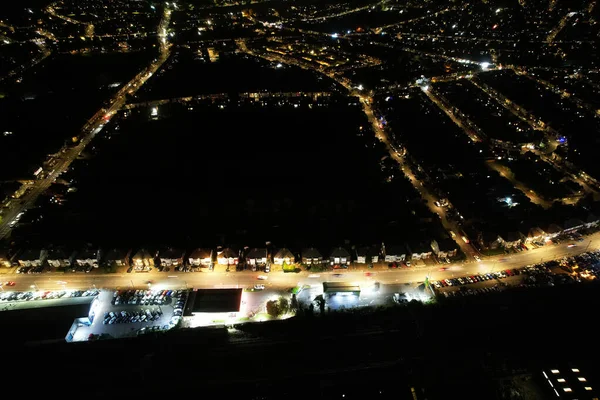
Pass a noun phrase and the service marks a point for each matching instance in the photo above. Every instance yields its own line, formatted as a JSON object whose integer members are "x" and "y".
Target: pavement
{"x": 278, "y": 280}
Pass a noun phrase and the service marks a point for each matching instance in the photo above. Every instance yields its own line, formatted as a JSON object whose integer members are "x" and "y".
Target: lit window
{"x": 567, "y": 390}
{"x": 554, "y": 371}
{"x": 575, "y": 369}
{"x": 581, "y": 379}
{"x": 588, "y": 388}
{"x": 560, "y": 380}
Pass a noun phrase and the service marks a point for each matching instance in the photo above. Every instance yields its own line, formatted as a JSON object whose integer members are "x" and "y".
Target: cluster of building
{"x": 494, "y": 239}
{"x": 253, "y": 258}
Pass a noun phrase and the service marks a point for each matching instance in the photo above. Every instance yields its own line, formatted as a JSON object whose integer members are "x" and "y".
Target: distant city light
{"x": 360, "y": 87}
{"x": 425, "y": 88}
{"x": 484, "y": 65}
{"x": 334, "y": 35}
{"x": 498, "y": 10}
{"x": 279, "y": 65}
{"x": 154, "y": 111}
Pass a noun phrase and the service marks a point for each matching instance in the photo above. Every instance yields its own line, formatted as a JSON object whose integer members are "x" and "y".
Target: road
{"x": 89, "y": 131}
{"x": 397, "y": 154}
{"x": 281, "y": 281}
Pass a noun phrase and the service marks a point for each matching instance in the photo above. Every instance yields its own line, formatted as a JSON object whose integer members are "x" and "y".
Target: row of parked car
{"x": 464, "y": 280}
{"x": 142, "y": 297}
{"x": 45, "y": 295}
{"x": 178, "y": 307}
{"x": 125, "y": 317}
{"x": 30, "y": 270}
{"x": 470, "y": 291}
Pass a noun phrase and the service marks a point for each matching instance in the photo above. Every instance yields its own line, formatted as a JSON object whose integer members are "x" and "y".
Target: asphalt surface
{"x": 282, "y": 281}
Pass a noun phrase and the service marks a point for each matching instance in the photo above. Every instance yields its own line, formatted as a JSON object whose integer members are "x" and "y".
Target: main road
{"x": 281, "y": 281}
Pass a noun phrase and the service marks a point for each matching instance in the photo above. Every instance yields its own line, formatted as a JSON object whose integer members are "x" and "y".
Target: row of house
{"x": 143, "y": 258}
{"x": 492, "y": 239}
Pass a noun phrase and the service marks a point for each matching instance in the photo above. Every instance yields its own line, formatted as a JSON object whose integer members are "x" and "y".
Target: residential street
{"x": 280, "y": 281}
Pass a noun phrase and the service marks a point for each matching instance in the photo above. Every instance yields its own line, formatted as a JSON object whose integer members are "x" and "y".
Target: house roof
{"x": 116, "y": 254}
{"x": 573, "y": 223}
{"x": 311, "y": 252}
{"x": 257, "y": 253}
{"x": 340, "y": 252}
{"x": 5, "y": 255}
{"x": 535, "y": 232}
{"x": 446, "y": 244}
{"x": 284, "y": 253}
{"x": 554, "y": 228}
{"x": 57, "y": 253}
{"x": 171, "y": 253}
{"x": 142, "y": 253}
{"x": 513, "y": 236}
{"x": 489, "y": 236}
{"x": 228, "y": 252}
{"x": 200, "y": 253}
{"x": 396, "y": 250}
{"x": 86, "y": 253}
{"x": 418, "y": 247}
{"x": 30, "y": 255}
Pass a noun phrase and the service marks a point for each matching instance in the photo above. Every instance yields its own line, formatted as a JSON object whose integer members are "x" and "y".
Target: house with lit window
{"x": 87, "y": 257}
{"x": 367, "y": 255}
{"x": 34, "y": 257}
{"x": 535, "y": 234}
{"x": 284, "y": 255}
{"x": 171, "y": 257}
{"x": 5, "y": 258}
{"x": 58, "y": 257}
{"x": 116, "y": 258}
{"x": 339, "y": 256}
{"x": 257, "y": 257}
{"x": 143, "y": 259}
{"x": 312, "y": 256}
{"x": 419, "y": 250}
{"x": 395, "y": 253}
{"x": 227, "y": 256}
{"x": 200, "y": 257}
{"x": 444, "y": 248}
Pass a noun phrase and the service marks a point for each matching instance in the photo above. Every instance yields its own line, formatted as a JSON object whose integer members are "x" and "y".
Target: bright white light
{"x": 498, "y": 10}
{"x": 334, "y": 35}
{"x": 425, "y": 88}
{"x": 484, "y": 65}
{"x": 360, "y": 87}
{"x": 279, "y": 65}
{"x": 154, "y": 111}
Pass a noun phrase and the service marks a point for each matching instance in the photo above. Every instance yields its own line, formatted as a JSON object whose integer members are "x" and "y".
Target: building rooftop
{"x": 216, "y": 300}
{"x": 26, "y": 322}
